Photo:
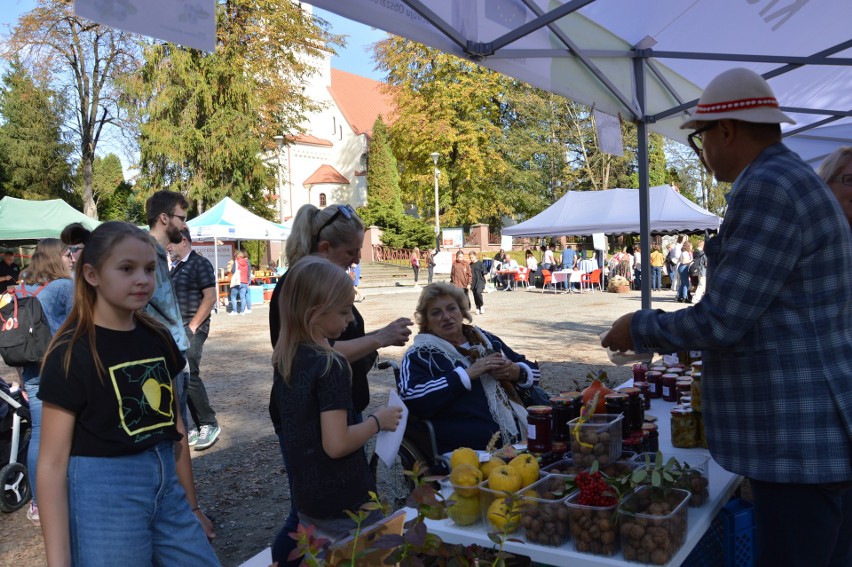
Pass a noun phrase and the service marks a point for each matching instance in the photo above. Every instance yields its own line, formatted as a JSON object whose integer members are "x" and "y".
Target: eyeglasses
{"x": 843, "y": 179}
{"x": 696, "y": 139}
{"x": 345, "y": 210}
{"x": 181, "y": 217}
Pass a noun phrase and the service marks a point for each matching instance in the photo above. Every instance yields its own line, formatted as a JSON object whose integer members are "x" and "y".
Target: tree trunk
{"x": 89, "y": 208}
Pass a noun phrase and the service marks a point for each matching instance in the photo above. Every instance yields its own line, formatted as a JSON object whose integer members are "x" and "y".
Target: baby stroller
{"x": 14, "y": 441}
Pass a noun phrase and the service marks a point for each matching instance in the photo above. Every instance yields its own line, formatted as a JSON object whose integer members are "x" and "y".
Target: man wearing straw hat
{"x": 775, "y": 328}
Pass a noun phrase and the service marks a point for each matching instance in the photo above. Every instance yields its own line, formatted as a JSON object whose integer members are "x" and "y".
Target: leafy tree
{"x": 107, "y": 175}
{"x": 32, "y": 149}
{"x": 206, "y": 119}
{"x": 382, "y": 173}
{"x": 81, "y": 58}
{"x": 693, "y": 181}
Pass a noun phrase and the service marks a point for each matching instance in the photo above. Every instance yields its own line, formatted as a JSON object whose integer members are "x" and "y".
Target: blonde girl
{"x": 114, "y": 473}
{"x": 312, "y": 388}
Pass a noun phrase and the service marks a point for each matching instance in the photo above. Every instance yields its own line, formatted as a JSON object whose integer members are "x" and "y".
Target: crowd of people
{"x": 129, "y": 313}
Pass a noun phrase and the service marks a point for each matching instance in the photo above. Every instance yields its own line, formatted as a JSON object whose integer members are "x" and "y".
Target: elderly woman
{"x": 836, "y": 171}
{"x": 462, "y": 378}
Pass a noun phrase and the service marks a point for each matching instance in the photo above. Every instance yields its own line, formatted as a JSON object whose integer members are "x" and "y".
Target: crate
{"x": 730, "y": 539}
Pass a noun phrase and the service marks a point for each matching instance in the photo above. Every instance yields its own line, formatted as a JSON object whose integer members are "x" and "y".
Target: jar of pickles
{"x": 684, "y": 430}
{"x": 539, "y": 424}
{"x": 683, "y": 387}
{"x": 695, "y": 391}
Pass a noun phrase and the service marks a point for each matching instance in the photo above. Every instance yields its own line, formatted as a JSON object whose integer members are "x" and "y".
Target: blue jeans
{"x": 31, "y": 387}
{"x": 683, "y": 281}
{"x": 656, "y": 277}
{"x": 803, "y": 524}
{"x": 241, "y": 291}
{"x": 132, "y": 511}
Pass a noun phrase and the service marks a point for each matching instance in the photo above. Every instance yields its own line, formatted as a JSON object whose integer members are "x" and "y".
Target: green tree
{"x": 382, "y": 172}
{"x": 32, "y": 149}
{"x": 80, "y": 57}
{"x": 206, "y": 120}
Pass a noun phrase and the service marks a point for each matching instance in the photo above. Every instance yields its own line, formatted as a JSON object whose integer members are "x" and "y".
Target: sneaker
{"x": 248, "y": 311}
{"x": 232, "y": 313}
{"x": 192, "y": 437}
{"x": 207, "y": 436}
{"x": 32, "y": 514}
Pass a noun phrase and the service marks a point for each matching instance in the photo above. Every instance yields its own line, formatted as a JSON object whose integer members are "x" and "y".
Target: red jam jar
{"x": 655, "y": 386}
{"x": 539, "y": 422}
{"x": 669, "y": 387}
{"x": 639, "y": 370}
{"x": 645, "y": 392}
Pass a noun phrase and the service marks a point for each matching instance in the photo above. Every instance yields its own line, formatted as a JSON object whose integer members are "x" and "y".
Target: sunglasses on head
{"x": 75, "y": 249}
{"x": 346, "y": 210}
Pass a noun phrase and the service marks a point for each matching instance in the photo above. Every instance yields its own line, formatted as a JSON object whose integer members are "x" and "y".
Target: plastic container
{"x": 256, "y": 294}
{"x": 692, "y": 474}
{"x": 544, "y": 517}
{"x": 593, "y": 528}
{"x": 597, "y": 439}
{"x": 501, "y": 511}
{"x": 466, "y": 509}
{"x": 651, "y": 512}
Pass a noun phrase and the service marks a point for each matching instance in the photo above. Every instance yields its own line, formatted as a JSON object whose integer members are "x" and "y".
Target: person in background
{"x": 637, "y": 267}
{"x": 699, "y": 259}
{"x": 548, "y": 261}
{"x": 354, "y": 272}
{"x": 240, "y": 271}
{"x": 336, "y": 233}
{"x": 195, "y": 286}
{"x": 674, "y": 261}
{"x": 683, "y": 283}
{"x": 10, "y": 272}
{"x": 116, "y": 476}
{"x": 460, "y": 275}
{"x": 313, "y": 388}
{"x": 49, "y": 278}
{"x": 775, "y": 328}
{"x": 836, "y": 171}
{"x": 532, "y": 264}
{"x": 429, "y": 260}
{"x": 658, "y": 260}
{"x": 569, "y": 257}
{"x": 414, "y": 260}
{"x": 74, "y": 236}
{"x": 477, "y": 283}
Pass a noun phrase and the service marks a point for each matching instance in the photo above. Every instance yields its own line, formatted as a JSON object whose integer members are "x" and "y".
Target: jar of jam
{"x": 561, "y": 416}
{"x": 684, "y": 430}
{"x": 635, "y": 408}
{"x": 632, "y": 443}
{"x": 645, "y": 392}
{"x": 576, "y": 402}
{"x": 669, "y": 387}
{"x": 684, "y": 387}
{"x": 651, "y": 436}
{"x": 695, "y": 392}
{"x": 655, "y": 386}
{"x": 617, "y": 404}
{"x": 639, "y": 370}
{"x": 539, "y": 423}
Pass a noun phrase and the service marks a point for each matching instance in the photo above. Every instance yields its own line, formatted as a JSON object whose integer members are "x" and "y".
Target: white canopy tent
{"x": 644, "y": 61}
{"x": 616, "y": 211}
{"x": 816, "y": 144}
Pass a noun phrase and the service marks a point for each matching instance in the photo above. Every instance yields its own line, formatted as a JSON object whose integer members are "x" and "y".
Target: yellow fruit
{"x": 499, "y": 517}
{"x": 504, "y": 478}
{"x": 466, "y": 475}
{"x": 489, "y": 466}
{"x": 464, "y": 455}
{"x": 527, "y": 467}
{"x": 465, "y": 509}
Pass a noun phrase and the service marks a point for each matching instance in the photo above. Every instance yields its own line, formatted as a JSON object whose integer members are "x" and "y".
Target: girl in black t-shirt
{"x": 115, "y": 477}
{"x": 313, "y": 393}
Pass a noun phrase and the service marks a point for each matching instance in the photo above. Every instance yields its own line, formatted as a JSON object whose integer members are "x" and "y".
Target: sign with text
{"x": 219, "y": 256}
{"x": 452, "y": 237}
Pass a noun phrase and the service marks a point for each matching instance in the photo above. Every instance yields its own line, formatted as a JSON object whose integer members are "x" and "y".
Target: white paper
{"x": 388, "y": 442}
{"x": 186, "y": 22}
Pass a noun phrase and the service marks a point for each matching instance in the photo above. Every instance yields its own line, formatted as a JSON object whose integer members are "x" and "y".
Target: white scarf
{"x": 505, "y": 412}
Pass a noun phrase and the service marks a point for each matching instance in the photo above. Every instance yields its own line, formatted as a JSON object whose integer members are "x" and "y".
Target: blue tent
{"x": 229, "y": 221}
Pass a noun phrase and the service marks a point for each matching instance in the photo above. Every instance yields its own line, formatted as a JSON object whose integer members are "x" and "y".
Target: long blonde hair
{"x": 313, "y": 287}
{"x": 47, "y": 264}
{"x": 312, "y": 225}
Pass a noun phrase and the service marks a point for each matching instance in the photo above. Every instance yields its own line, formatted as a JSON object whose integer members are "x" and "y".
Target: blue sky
{"x": 352, "y": 58}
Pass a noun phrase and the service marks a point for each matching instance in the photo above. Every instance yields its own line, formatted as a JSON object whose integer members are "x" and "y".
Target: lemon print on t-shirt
{"x": 143, "y": 389}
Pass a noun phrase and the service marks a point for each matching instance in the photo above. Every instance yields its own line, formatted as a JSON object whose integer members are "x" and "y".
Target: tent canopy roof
{"x": 32, "y": 220}
{"x": 229, "y": 221}
{"x": 591, "y": 51}
{"x": 616, "y": 211}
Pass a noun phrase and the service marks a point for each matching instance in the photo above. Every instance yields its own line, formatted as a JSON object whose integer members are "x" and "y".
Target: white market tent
{"x": 816, "y": 144}
{"x": 616, "y": 211}
{"x": 644, "y": 61}
{"x": 229, "y": 221}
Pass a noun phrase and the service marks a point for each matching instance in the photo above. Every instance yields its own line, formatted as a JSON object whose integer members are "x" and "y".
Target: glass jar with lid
{"x": 539, "y": 424}
{"x": 684, "y": 430}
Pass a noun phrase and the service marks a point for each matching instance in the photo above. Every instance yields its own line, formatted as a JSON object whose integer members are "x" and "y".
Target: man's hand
{"x": 396, "y": 333}
{"x": 618, "y": 338}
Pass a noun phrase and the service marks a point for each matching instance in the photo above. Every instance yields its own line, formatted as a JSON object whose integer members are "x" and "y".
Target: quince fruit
{"x": 464, "y": 455}
{"x": 499, "y": 517}
{"x": 527, "y": 467}
{"x": 465, "y": 509}
{"x": 489, "y": 466}
{"x": 505, "y": 479}
{"x": 466, "y": 475}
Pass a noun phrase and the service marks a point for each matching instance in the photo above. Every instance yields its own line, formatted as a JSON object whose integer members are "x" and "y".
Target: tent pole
{"x": 644, "y": 191}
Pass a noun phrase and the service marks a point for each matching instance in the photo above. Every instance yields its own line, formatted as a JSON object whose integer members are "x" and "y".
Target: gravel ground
{"x": 241, "y": 481}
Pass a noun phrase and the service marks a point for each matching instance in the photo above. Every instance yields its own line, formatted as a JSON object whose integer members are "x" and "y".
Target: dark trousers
{"x": 431, "y": 273}
{"x": 199, "y": 404}
{"x": 416, "y": 272}
{"x": 803, "y": 524}
{"x": 477, "y": 297}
